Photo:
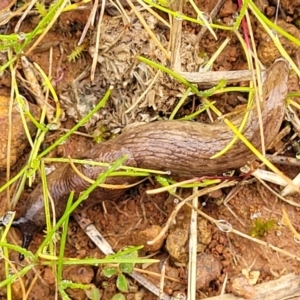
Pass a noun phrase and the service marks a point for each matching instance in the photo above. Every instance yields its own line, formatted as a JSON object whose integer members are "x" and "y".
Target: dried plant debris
{"x": 118, "y": 66}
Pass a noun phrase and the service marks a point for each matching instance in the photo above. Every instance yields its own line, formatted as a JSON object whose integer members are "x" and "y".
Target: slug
{"x": 183, "y": 148}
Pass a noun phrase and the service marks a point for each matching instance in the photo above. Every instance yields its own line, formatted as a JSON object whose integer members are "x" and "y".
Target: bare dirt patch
{"x": 223, "y": 257}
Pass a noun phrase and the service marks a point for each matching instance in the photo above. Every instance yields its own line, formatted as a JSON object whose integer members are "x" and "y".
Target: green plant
{"x": 120, "y": 269}
{"x": 261, "y": 227}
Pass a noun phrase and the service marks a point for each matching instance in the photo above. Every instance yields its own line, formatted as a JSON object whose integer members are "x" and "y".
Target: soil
{"x": 224, "y": 258}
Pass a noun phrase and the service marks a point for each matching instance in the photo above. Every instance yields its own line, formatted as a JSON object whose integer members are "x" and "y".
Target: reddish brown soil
{"x": 130, "y": 220}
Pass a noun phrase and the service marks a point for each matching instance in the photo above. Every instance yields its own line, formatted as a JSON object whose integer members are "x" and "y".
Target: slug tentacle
{"x": 181, "y": 147}
{"x": 28, "y": 229}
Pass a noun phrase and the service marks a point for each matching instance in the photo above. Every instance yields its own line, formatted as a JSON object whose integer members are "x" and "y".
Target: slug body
{"x": 184, "y": 148}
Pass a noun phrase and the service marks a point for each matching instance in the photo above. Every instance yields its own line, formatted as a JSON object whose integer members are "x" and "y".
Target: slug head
{"x": 27, "y": 228}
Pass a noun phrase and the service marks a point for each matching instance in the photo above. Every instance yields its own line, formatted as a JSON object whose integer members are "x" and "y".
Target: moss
{"x": 261, "y": 227}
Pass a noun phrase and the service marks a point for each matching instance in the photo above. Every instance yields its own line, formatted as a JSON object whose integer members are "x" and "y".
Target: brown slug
{"x": 182, "y": 147}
